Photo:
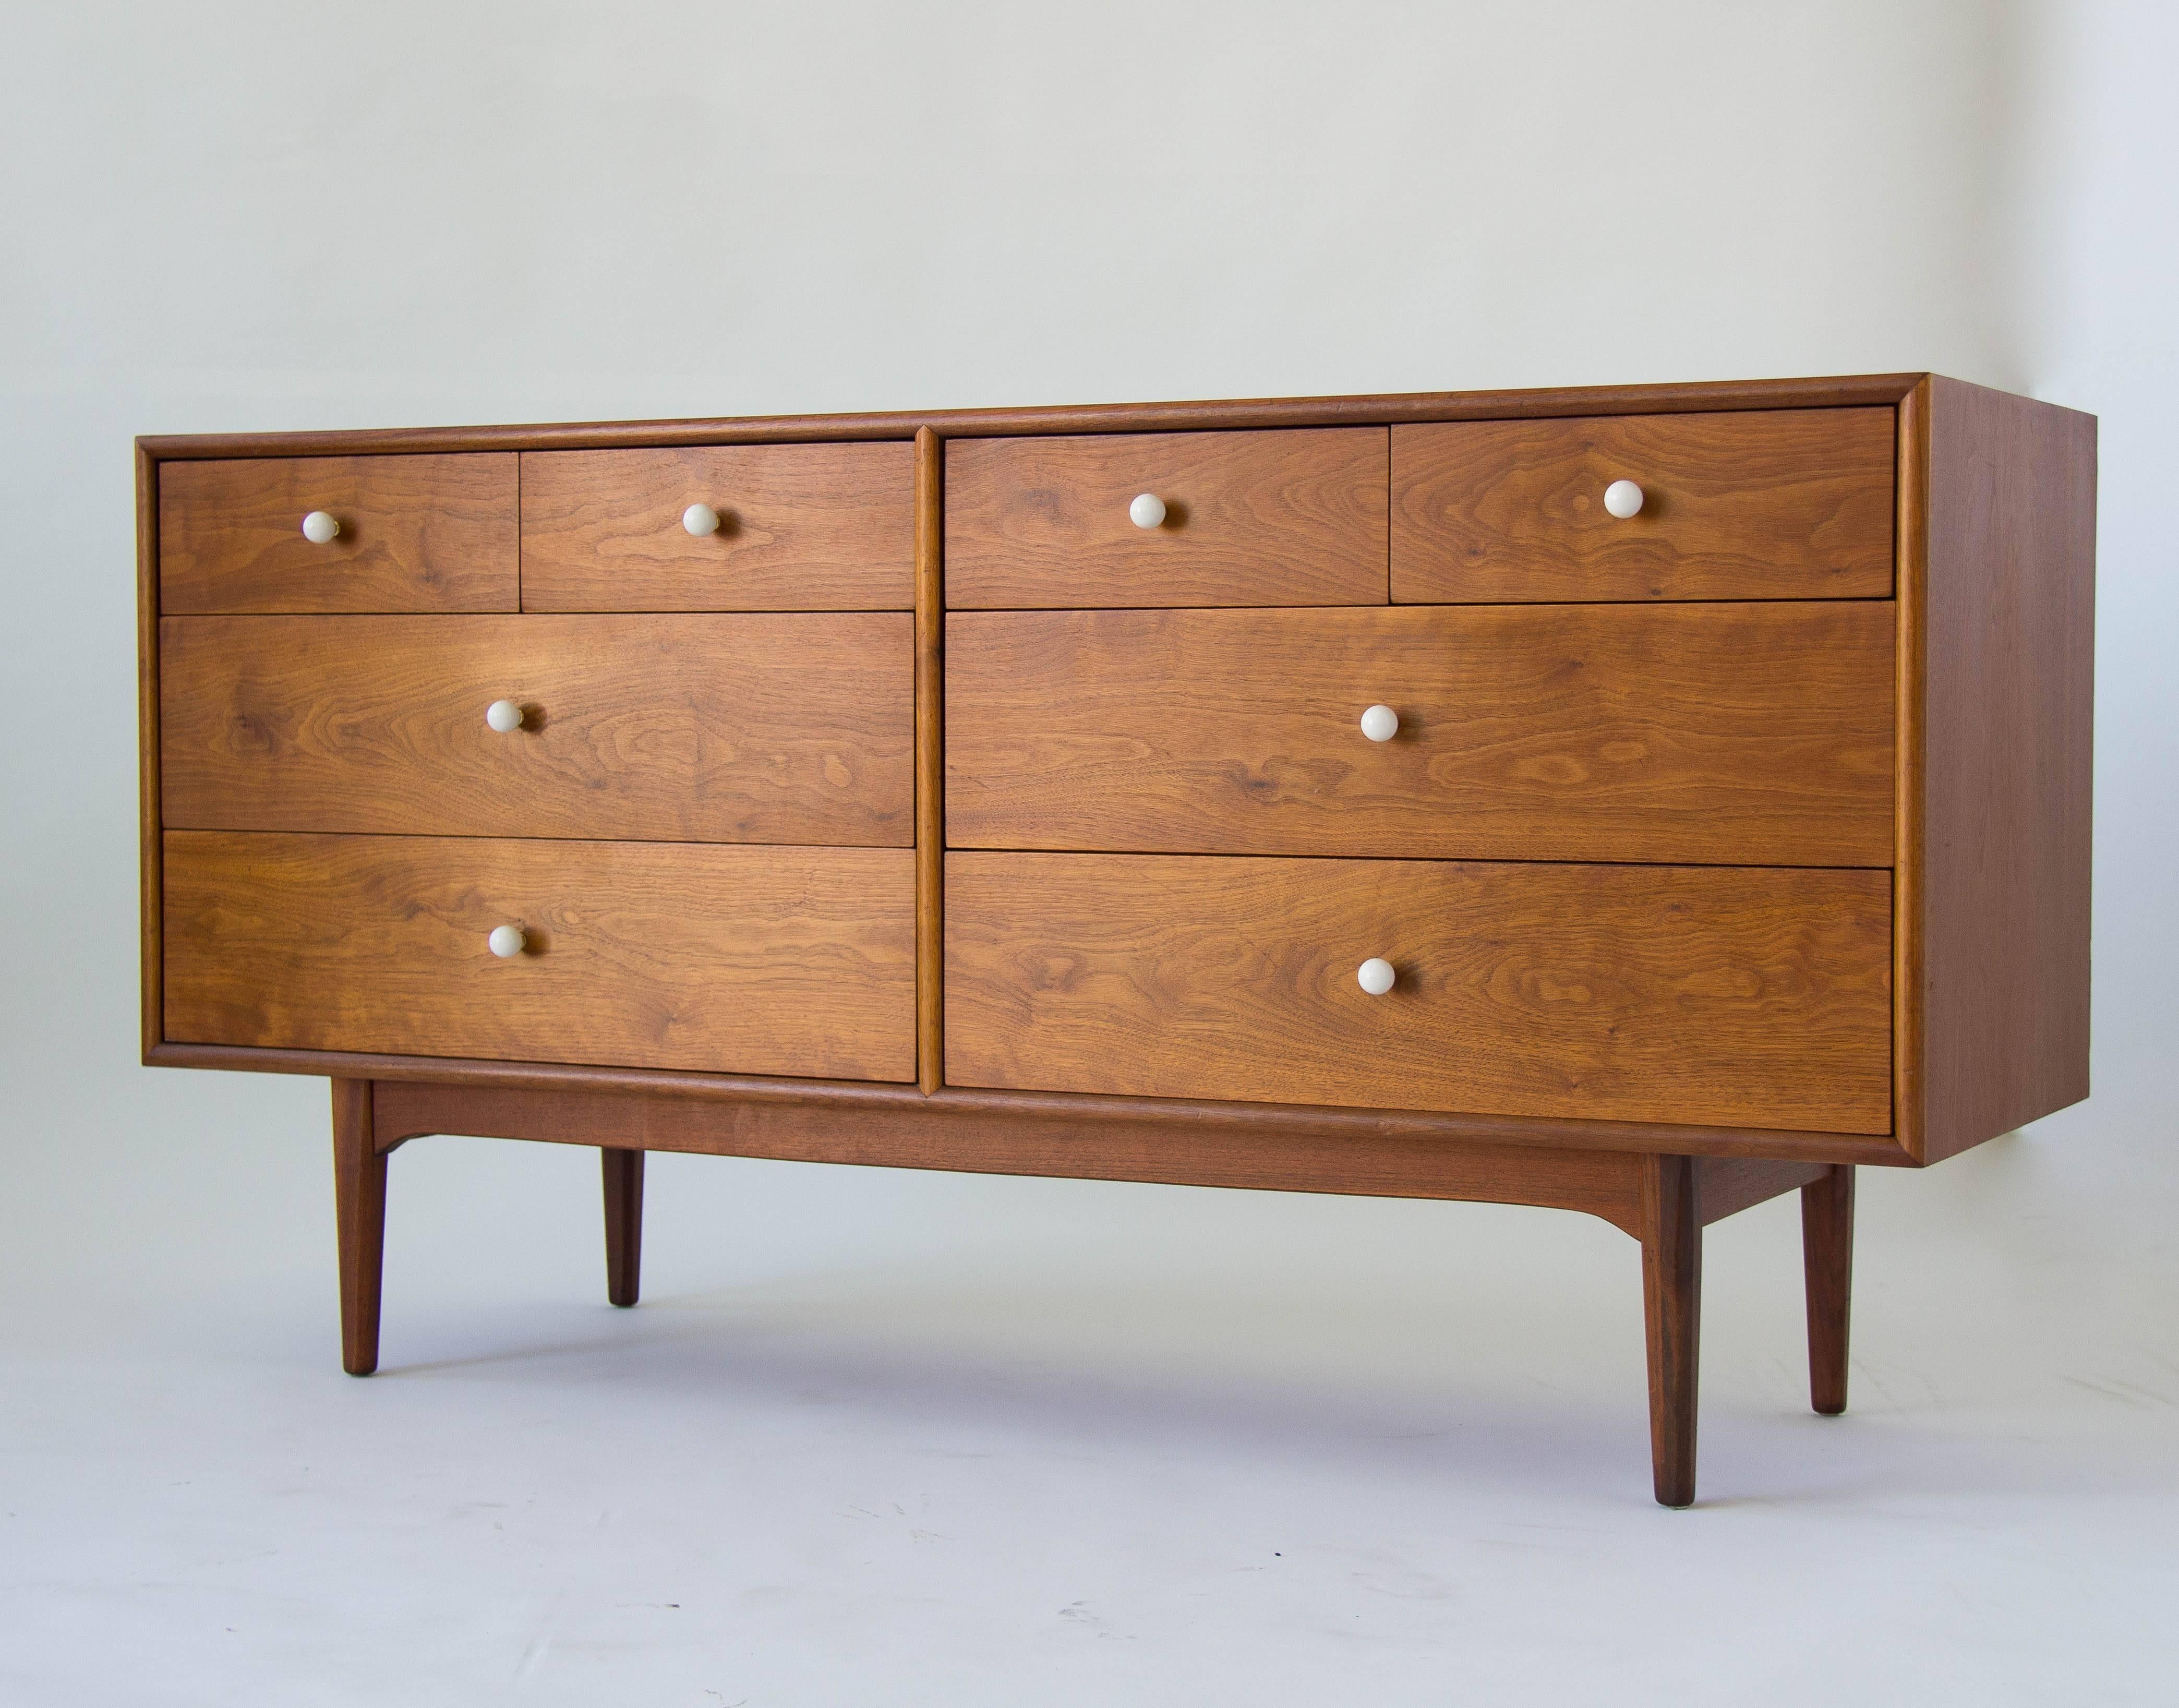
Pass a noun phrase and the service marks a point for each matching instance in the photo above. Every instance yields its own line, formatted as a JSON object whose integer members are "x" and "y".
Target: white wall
{"x": 229, "y": 216}
{"x": 277, "y": 215}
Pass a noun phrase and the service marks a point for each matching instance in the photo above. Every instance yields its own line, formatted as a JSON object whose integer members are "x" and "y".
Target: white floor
{"x": 880, "y": 1438}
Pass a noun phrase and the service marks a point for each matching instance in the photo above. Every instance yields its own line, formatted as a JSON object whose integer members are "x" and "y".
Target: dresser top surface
{"x": 1829, "y": 392}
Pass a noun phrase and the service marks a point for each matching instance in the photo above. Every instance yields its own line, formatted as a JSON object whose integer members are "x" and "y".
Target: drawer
{"x": 761, "y": 728}
{"x": 421, "y": 533}
{"x": 828, "y": 527}
{"x": 793, "y": 961}
{"x": 1742, "y": 734}
{"x": 1248, "y": 519}
{"x": 1736, "y": 996}
{"x": 1754, "y": 504}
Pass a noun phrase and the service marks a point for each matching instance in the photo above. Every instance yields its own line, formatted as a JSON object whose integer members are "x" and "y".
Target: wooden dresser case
{"x": 1643, "y": 800}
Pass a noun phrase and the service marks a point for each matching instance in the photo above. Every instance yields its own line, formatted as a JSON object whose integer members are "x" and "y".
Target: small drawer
{"x": 757, "y": 728}
{"x": 410, "y": 533}
{"x": 1167, "y": 518}
{"x": 824, "y": 527}
{"x": 1756, "y": 504}
{"x": 791, "y": 961}
{"x": 1736, "y": 734}
{"x": 1726, "y": 996}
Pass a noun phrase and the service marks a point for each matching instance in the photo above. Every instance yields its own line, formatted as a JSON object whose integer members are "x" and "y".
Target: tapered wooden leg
{"x": 1827, "y": 1256}
{"x": 359, "y": 1209}
{"x": 1671, "y": 1303}
{"x": 624, "y": 1173}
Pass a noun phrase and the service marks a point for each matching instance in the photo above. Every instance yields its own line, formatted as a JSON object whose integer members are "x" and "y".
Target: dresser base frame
{"x": 1662, "y": 1200}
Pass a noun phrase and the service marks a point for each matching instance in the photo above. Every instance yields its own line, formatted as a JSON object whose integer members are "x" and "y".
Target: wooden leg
{"x": 623, "y": 1175}
{"x": 359, "y": 1209}
{"x": 1671, "y": 1303}
{"x": 1827, "y": 1256}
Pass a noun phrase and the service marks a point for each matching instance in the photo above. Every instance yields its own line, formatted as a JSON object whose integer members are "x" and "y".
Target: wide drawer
{"x": 762, "y": 727}
{"x": 1727, "y": 997}
{"x": 822, "y": 527}
{"x": 416, "y": 533}
{"x": 794, "y": 961}
{"x": 1745, "y": 735}
{"x": 1754, "y": 504}
{"x": 1285, "y": 518}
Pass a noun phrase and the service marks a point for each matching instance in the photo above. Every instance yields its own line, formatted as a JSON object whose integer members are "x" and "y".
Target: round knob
{"x": 507, "y": 941}
{"x": 320, "y": 526}
{"x": 1623, "y": 498}
{"x": 1380, "y": 723}
{"x": 1148, "y": 511}
{"x": 701, "y": 520}
{"x": 503, "y": 715}
{"x": 1376, "y": 976}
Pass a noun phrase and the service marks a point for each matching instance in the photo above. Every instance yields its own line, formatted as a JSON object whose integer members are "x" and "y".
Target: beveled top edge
{"x": 1836, "y": 393}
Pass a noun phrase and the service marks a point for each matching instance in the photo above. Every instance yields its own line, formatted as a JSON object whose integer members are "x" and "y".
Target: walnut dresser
{"x": 1642, "y": 800}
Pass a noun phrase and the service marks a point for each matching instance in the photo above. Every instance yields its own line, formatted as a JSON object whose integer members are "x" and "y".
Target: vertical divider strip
{"x": 152, "y": 849}
{"x": 1910, "y": 590}
{"x": 930, "y": 763}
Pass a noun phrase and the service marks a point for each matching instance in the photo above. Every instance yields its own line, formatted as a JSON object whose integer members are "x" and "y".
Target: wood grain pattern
{"x": 955, "y": 1107}
{"x": 1701, "y": 996}
{"x": 622, "y": 1171}
{"x": 1739, "y": 735}
{"x": 1727, "y": 1185}
{"x": 1256, "y": 1156}
{"x": 1827, "y": 1258}
{"x": 1909, "y": 860}
{"x": 2007, "y": 766}
{"x": 819, "y": 527}
{"x": 1252, "y": 518}
{"x": 759, "y": 727}
{"x": 1828, "y": 392}
{"x": 417, "y": 532}
{"x": 1671, "y": 1313}
{"x": 149, "y": 1019}
{"x": 360, "y": 1220}
{"x": 1789, "y": 505}
{"x": 930, "y": 761}
{"x": 761, "y": 960}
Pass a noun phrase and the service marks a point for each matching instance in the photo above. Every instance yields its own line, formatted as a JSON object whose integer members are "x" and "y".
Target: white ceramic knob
{"x": 701, "y": 520}
{"x": 1623, "y": 498}
{"x": 1380, "y": 723}
{"x": 507, "y": 941}
{"x": 1148, "y": 511}
{"x": 1376, "y": 976}
{"x": 503, "y": 715}
{"x": 319, "y": 527}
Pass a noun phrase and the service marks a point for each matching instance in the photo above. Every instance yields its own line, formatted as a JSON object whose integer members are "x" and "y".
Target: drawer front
{"x": 1758, "y": 504}
{"x": 420, "y": 532}
{"x": 761, "y": 728}
{"x": 1737, "y": 997}
{"x": 793, "y": 961}
{"x": 799, "y": 528}
{"x": 1248, "y": 519}
{"x": 1739, "y": 735}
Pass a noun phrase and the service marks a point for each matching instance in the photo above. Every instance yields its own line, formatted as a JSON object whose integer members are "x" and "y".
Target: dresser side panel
{"x": 2009, "y": 705}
